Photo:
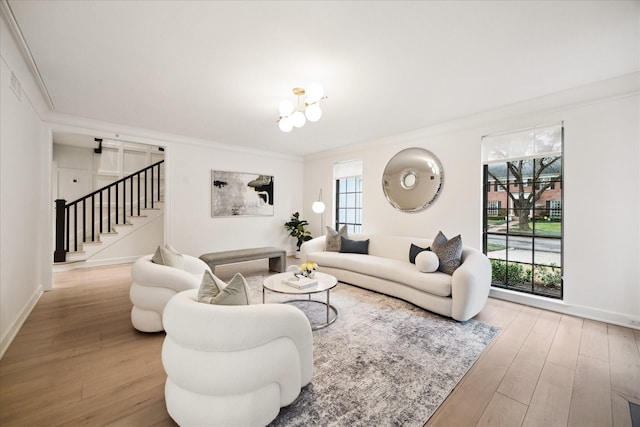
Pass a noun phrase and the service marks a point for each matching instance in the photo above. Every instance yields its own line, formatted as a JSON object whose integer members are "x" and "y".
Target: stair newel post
{"x": 60, "y": 255}
{"x": 152, "y": 198}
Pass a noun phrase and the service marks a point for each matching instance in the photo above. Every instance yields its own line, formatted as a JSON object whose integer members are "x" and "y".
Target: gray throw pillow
{"x": 354, "y": 246}
{"x": 334, "y": 238}
{"x": 168, "y": 256}
{"x": 449, "y": 252}
{"x": 209, "y": 289}
{"x": 235, "y": 293}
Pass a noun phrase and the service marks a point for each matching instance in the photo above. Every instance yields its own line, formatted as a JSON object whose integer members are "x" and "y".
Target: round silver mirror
{"x": 413, "y": 179}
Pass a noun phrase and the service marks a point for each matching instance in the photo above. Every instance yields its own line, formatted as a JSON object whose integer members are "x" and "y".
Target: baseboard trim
{"x": 93, "y": 263}
{"x": 13, "y": 330}
{"x": 558, "y": 306}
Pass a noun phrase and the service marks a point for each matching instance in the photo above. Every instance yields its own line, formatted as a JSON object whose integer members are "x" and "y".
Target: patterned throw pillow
{"x": 215, "y": 291}
{"x": 449, "y": 252}
{"x": 334, "y": 238}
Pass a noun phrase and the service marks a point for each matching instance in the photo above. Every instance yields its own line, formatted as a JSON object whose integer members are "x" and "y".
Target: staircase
{"x": 93, "y": 223}
{"x": 89, "y": 249}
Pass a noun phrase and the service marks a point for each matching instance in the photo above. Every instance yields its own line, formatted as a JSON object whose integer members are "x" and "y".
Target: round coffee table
{"x": 326, "y": 282}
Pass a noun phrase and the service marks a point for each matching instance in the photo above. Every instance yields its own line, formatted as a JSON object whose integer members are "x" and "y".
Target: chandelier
{"x": 296, "y": 116}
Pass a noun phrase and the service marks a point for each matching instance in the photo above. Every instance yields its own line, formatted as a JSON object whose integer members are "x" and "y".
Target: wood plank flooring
{"x": 77, "y": 361}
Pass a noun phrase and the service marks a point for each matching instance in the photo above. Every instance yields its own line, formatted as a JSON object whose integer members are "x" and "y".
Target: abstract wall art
{"x": 241, "y": 194}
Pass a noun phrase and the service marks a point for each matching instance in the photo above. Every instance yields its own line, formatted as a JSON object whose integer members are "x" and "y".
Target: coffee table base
{"x": 332, "y": 312}
{"x": 326, "y": 282}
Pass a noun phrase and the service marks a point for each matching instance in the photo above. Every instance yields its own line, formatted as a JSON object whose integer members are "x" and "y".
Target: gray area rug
{"x": 384, "y": 362}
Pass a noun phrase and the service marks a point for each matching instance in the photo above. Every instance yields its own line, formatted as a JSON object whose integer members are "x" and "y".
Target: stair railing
{"x": 146, "y": 192}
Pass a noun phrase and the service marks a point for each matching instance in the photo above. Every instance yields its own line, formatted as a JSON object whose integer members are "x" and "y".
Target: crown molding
{"x": 5, "y": 8}
{"x": 59, "y": 122}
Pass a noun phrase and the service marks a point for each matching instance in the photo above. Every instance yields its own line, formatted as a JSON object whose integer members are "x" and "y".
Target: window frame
{"x": 528, "y": 258}
{"x": 353, "y": 226}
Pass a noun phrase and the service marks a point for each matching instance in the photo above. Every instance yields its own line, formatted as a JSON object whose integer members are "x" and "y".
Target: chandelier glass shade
{"x": 296, "y": 116}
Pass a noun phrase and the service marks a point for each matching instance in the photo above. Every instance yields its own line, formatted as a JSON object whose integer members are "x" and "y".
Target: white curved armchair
{"x": 233, "y": 365}
{"x": 154, "y": 285}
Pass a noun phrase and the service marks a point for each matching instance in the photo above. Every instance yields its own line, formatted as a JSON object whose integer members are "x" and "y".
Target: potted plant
{"x": 296, "y": 226}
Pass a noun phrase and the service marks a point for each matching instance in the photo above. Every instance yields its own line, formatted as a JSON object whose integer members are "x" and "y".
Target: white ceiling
{"x": 217, "y": 70}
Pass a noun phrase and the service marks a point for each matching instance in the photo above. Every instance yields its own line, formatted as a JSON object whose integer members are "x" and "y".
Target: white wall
{"x": 192, "y": 229}
{"x": 601, "y": 183}
{"x": 79, "y": 170}
{"x": 25, "y": 202}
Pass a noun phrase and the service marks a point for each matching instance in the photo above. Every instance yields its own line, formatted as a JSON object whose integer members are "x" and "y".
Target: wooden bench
{"x": 277, "y": 257}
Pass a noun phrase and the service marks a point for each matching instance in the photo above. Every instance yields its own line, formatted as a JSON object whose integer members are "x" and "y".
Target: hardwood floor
{"x": 77, "y": 361}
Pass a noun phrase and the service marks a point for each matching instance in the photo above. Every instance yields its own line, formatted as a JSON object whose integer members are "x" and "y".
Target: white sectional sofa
{"x": 386, "y": 269}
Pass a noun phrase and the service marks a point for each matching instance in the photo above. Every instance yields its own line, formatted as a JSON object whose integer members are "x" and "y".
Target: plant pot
{"x": 297, "y": 255}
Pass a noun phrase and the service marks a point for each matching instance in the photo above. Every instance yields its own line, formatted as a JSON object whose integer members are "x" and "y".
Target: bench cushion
{"x": 250, "y": 254}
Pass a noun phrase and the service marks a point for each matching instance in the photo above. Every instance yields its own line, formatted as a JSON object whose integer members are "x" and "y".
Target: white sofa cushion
{"x": 390, "y": 269}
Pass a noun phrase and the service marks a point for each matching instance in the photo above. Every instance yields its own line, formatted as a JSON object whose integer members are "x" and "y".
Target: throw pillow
{"x": 209, "y": 289}
{"x": 333, "y": 239}
{"x": 415, "y": 250}
{"x": 168, "y": 257}
{"x": 449, "y": 252}
{"x": 427, "y": 262}
{"x": 235, "y": 293}
{"x": 354, "y": 246}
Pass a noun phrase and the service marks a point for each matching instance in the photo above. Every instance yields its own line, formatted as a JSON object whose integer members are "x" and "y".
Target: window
{"x": 555, "y": 208}
{"x": 348, "y": 190}
{"x": 522, "y": 233}
{"x": 493, "y": 208}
